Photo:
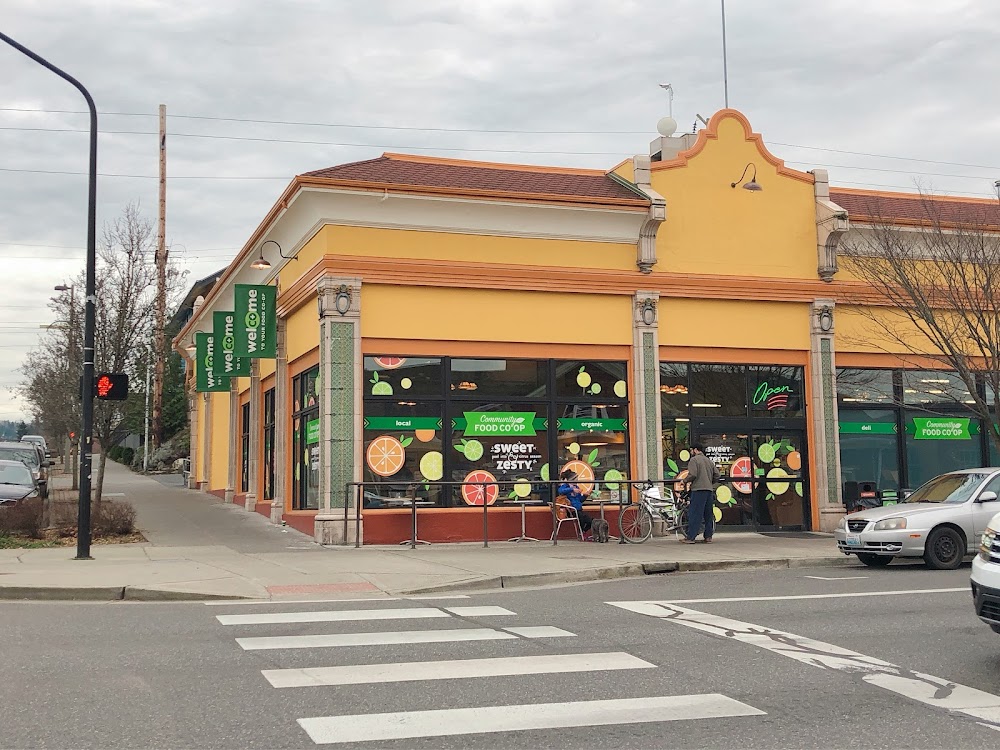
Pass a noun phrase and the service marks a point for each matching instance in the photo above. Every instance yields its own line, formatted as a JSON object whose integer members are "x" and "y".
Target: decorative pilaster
{"x": 341, "y": 378}
{"x": 195, "y": 429}
{"x": 282, "y": 422}
{"x": 256, "y": 430}
{"x": 823, "y": 414}
{"x": 831, "y": 225}
{"x": 206, "y": 446}
{"x": 234, "y": 438}
{"x": 645, "y": 394}
{"x": 655, "y": 216}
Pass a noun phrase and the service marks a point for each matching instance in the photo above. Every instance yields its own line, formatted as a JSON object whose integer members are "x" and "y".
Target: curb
{"x": 106, "y": 594}
{"x": 630, "y": 570}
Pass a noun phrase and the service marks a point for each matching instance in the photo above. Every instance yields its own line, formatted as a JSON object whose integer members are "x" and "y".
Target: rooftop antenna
{"x": 667, "y": 126}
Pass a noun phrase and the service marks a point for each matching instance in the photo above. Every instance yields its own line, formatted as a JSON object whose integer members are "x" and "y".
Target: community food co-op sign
{"x": 499, "y": 423}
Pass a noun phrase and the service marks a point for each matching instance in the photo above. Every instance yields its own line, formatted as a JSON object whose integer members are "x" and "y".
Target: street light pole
{"x": 90, "y": 311}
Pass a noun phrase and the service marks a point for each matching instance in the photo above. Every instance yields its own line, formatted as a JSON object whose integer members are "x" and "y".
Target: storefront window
{"x": 718, "y": 390}
{"x": 856, "y": 386}
{"x": 511, "y": 378}
{"x": 305, "y": 440}
{"x": 245, "y": 447}
{"x": 397, "y": 377}
{"x": 775, "y": 391}
{"x": 676, "y": 437}
{"x": 590, "y": 380}
{"x": 592, "y": 443}
{"x": 930, "y": 390}
{"x": 674, "y": 399}
{"x": 505, "y": 443}
{"x": 938, "y": 444}
{"x": 402, "y": 451}
{"x": 869, "y": 447}
{"x": 269, "y": 444}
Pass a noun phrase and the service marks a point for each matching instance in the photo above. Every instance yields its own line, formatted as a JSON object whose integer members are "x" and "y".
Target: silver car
{"x": 941, "y": 522}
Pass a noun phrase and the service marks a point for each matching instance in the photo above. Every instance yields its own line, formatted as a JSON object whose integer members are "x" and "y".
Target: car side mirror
{"x": 986, "y": 497}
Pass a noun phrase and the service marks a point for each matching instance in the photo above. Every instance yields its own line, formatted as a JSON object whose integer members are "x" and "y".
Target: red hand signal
{"x": 103, "y": 386}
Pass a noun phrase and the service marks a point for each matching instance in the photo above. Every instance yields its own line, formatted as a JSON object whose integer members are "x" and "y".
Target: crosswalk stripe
{"x": 392, "y": 638}
{"x": 361, "y": 674}
{"x": 342, "y": 615}
{"x": 478, "y": 611}
{"x": 326, "y": 730}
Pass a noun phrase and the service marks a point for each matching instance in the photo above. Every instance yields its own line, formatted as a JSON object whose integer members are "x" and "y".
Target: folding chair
{"x": 564, "y": 513}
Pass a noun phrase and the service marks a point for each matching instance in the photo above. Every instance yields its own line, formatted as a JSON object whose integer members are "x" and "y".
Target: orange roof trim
{"x": 711, "y": 133}
{"x": 422, "y": 159}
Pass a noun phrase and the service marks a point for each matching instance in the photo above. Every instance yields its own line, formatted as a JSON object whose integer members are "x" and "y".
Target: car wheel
{"x": 944, "y": 549}
{"x": 874, "y": 561}
{"x": 996, "y": 628}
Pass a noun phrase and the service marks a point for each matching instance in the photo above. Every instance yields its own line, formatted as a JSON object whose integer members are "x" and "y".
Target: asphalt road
{"x": 914, "y": 670}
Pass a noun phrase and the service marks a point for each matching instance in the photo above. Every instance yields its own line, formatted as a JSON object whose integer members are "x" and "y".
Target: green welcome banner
{"x": 941, "y": 428}
{"x": 225, "y": 363}
{"x": 256, "y": 335}
{"x": 204, "y": 379}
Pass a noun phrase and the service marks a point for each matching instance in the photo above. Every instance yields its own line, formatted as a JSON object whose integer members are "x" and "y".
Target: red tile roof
{"x": 906, "y": 208}
{"x": 483, "y": 178}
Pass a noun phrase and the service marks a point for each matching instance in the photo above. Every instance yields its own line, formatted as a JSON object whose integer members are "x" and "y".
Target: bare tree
{"x": 933, "y": 295}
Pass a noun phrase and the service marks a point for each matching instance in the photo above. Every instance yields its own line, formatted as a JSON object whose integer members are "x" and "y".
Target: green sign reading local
{"x": 499, "y": 423}
{"x": 312, "y": 431}
{"x": 225, "y": 362}
{"x": 256, "y": 321}
{"x": 204, "y": 379}
{"x": 402, "y": 423}
{"x": 868, "y": 428}
{"x": 592, "y": 423}
{"x": 941, "y": 428}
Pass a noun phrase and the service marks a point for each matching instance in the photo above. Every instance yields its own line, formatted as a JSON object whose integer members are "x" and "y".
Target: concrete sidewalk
{"x": 199, "y": 547}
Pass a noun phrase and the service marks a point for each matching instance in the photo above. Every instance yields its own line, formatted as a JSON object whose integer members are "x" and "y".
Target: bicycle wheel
{"x": 635, "y": 523}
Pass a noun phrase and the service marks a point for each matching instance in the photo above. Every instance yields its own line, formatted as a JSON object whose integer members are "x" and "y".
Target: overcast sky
{"x": 892, "y": 78}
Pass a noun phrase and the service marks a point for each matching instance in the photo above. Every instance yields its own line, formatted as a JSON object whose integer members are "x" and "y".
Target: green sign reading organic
{"x": 312, "y": 431}
{"x": 226, "y": 363}
{"x": 499, "y": 423}
{"x": 941, "y": 428}
{"x": 591, "y": 424}
{"x": 867, "y": 428}
{"x": 204, "y": 379}
{"x": 256, "y": 321}
{"x": 402, "y": 423}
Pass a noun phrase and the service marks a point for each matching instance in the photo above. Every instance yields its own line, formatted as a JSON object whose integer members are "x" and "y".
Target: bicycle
{"x": 636, "y": 520}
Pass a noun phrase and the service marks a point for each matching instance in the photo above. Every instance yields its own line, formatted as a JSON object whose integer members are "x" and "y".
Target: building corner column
{"x": 206, "y": 445}
{"x": 823, "y": 414}
{"x": 341, "y": 379}
{"x": 234, "y": 438}
{"x": 256, "y": 430}
{"x": 194, "y": 430}
{"x": 282, "y": 422}
{"x": 646, "y": 384}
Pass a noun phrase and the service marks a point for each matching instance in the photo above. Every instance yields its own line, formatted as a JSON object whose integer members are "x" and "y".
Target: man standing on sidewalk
{"x": 702, "y": 477}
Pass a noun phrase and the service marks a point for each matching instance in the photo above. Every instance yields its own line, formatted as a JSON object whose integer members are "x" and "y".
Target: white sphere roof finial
{"x": 666, "y": 126}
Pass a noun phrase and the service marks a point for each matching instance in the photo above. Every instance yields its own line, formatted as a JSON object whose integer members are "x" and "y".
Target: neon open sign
{"x": 772, "y": 398}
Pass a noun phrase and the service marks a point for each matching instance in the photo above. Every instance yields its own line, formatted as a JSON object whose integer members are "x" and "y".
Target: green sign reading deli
{"x": 868, "y": 428}
{"x": 942, "y": 428}
{"x": 226, "y": 363}
{"x": 256, "y": 330}
{"x": 205, "y": 380}
{"x": 312, "y": 431}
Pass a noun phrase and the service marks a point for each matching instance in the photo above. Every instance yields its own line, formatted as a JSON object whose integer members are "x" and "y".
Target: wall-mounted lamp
{"x": 826, "y": 319}
{"x": 752, "y": 184}
{"x": 261, "y": 264}
{"x": 342, "y": 302}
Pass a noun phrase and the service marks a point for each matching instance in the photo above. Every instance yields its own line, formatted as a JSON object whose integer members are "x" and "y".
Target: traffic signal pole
{"x": 90, "y": 310}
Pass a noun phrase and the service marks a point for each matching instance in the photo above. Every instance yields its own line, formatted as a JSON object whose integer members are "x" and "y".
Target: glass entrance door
{"x": 764, "y": 484}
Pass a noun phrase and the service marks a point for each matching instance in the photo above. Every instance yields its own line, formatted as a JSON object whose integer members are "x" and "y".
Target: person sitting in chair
{"x": 570, "y": 490}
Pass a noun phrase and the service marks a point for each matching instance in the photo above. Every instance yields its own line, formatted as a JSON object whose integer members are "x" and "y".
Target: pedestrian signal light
{"x": 112, "y": 386}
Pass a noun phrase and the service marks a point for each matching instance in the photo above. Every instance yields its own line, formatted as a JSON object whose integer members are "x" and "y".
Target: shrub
{"x": 24, "y": 518}
{"x": 115, "y": 518}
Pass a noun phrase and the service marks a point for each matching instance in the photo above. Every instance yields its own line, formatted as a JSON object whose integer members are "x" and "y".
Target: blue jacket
{"x": 574, "y": 497}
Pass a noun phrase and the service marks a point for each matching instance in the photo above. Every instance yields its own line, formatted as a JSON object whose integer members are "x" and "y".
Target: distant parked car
{"x": 40, "y": 440}
{"x": 31, "y": 455}
{"x": 16, "y": 482}
{"x": 942, "y": 522}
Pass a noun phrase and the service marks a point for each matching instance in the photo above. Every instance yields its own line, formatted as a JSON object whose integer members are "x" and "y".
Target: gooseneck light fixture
{"x": 752, "y": 185}
{"x": 262, "y": 264}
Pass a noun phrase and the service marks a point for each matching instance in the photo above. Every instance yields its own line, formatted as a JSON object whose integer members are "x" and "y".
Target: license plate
{"x": 853, "y": 540}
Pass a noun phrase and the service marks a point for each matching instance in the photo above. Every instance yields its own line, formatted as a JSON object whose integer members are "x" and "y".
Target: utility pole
{"x": 145, "y": 441}
{"x": 161, "y": 288}
{"x": 725, "y": 64}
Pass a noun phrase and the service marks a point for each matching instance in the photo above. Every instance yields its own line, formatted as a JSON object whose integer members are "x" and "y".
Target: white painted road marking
{"x": 924, "y": 688}
{"x": 363, "y": 674}
{"x": 963, "y": 589}
{"x": 837, "y": 578}
{"x": 392, "y": 638}
{"x": 539, "y": 631}
{"x": 486, "y": 719}
{"x": 341, "y": 615}
{"x": 478, "y": 611}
